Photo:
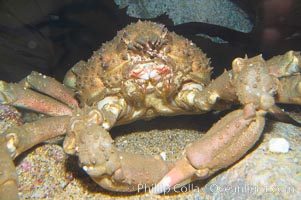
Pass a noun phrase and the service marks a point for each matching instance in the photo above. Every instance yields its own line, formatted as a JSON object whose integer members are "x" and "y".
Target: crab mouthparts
{"x": 150, "y": 71}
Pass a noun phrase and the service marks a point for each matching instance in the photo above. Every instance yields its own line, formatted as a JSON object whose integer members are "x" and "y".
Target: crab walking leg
{"x": 283, "y": 70}
{"x": 289, "y": 90}
{"x": 8, "y": 176}
{"x": 225, "y": 143}
{"x": 20, "y": 138}
{"x": 206, "y": 99}
{"x": 17, "y": 140}
{"x": 17, "y": 95}
{"x": 287, "y": 69}
{"x": 287, "y": 64}
{"x": 9, "y": 116}
{"x": 51, "y": 87}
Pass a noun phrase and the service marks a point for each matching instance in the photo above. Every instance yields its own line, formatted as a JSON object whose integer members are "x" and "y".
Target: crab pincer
{"x": 225, "y": 143}
{"x": 108, "y": 167}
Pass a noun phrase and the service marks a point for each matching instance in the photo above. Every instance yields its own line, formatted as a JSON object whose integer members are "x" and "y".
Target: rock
{"x": 279, "y": 145}
{"x": 219, "y": 12}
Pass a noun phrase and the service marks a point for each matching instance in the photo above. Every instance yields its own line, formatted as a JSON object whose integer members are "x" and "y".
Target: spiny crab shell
{"x": 144, "y": 58}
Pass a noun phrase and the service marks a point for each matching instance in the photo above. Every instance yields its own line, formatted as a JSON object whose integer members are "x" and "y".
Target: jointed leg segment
{"x": 18, "y": 139}
{"x": 23, "y": 95}
{"x": 114, "y": 170}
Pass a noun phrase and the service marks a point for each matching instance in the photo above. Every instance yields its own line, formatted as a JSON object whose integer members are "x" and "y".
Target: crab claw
{"x": 101, "y": 160}
{"x": 225, "y": 143}
{"x": 181, "y": 174}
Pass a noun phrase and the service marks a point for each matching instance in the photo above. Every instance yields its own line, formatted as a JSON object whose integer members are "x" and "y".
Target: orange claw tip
{"x": 162, "y": 186}
{"x": 174, "y": 178}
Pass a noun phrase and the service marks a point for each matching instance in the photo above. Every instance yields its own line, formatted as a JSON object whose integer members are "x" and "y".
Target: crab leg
{"x": 89, "y": 139}
{"x": 283, "y": 69}
{"x": 98, "y": 156}
{"x": 225, "y": 143}
{"x": 51, "y": 87}
{"x": 8, "y": 176}
{"x": 17, "y": 95}
{"x": 9, "y": 116}
{"x": 220, "y": 94}
{"x": 20, "y": 138}
{"x": 17, "y": 140}
{"x": 284, "y": 65}
{"x": 287, "y": 69}
{"x": 289, "y": 91}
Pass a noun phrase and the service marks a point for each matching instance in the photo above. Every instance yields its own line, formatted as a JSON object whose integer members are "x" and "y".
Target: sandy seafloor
{"x": 46, "y": 172}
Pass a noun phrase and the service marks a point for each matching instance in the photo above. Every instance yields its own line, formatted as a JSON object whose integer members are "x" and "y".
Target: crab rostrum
{"x": 144, "y": 72}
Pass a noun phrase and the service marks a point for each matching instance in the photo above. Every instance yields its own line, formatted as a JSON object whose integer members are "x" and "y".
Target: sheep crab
{"x": 144, "y": 72}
